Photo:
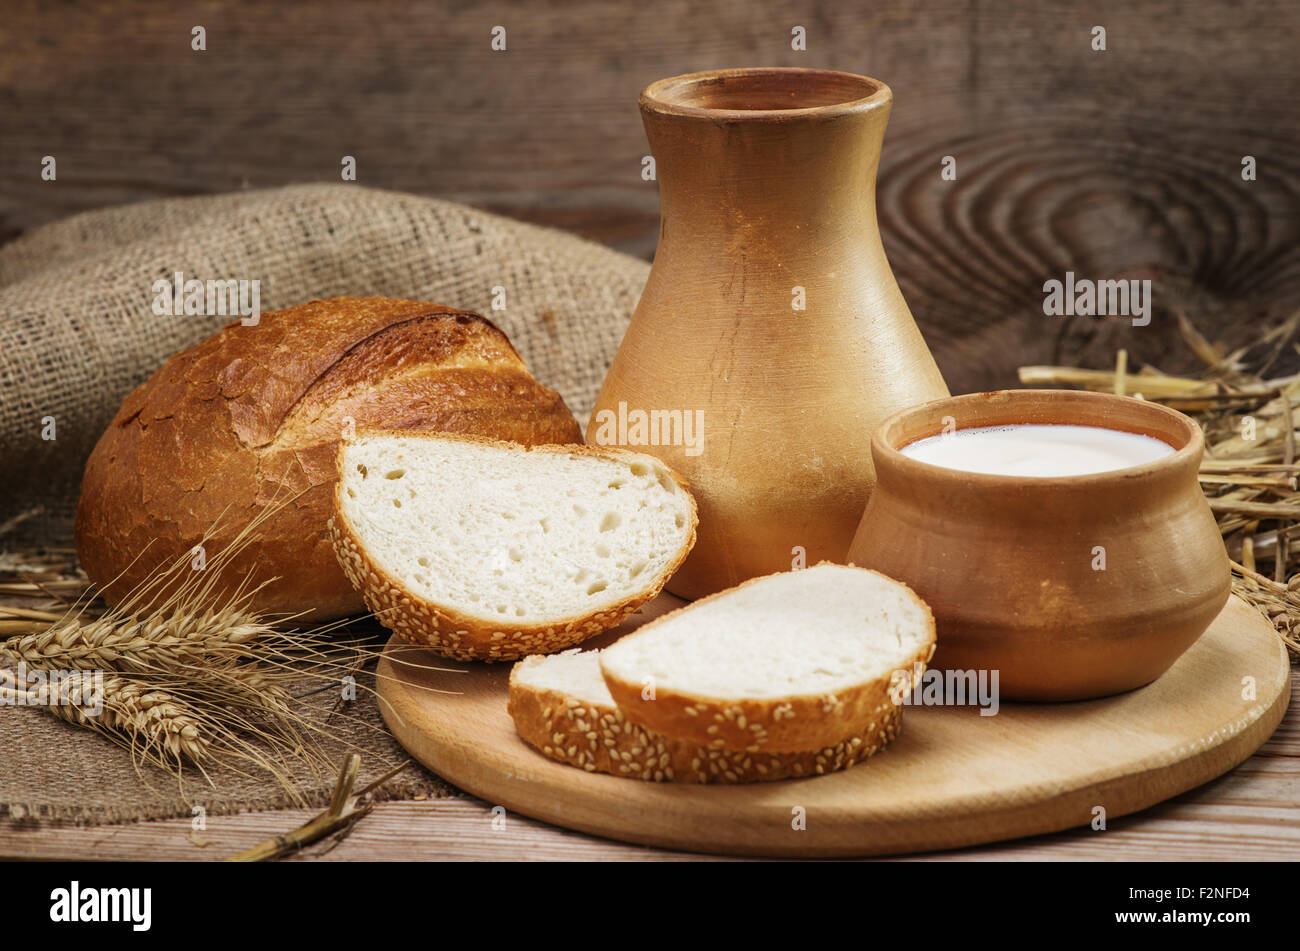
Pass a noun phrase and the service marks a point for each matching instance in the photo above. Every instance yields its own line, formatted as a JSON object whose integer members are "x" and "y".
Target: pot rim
{"x": 1188, "y": 455}
{"x": 658, "y": 96}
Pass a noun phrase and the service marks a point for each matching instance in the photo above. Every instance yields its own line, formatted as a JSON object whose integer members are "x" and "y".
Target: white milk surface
{"x": 1037, "y": 450}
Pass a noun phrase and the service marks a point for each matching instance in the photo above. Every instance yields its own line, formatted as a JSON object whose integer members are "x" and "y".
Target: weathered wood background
{"x": 1124, "y": 163}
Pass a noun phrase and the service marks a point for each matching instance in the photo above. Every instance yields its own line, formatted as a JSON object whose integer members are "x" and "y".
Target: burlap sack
{"x": 77, "y": 332}
{"x": 51, "y": 770}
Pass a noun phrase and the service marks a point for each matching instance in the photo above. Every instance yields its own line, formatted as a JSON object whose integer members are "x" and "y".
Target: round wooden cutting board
{"x": 953, "y": 778}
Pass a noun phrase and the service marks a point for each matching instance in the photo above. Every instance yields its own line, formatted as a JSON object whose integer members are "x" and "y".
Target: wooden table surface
{"x": 1250, "y": 814}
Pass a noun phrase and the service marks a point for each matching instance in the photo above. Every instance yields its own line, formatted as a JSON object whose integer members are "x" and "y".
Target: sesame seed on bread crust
{"x": 594, "y": 735}
{"x": 743, "y": 722}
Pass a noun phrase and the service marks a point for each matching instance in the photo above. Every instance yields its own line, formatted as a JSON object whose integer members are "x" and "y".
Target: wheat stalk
{"x": 164, "y": 640}
{"x": 192, "y": 674}
{"x": 151, "y": 722}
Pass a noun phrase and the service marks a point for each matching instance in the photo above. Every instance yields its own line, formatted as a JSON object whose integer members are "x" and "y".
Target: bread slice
{"x": 487, "y": 550}
{"x": 560, "y": 705}
{"x": 794, "y": 661}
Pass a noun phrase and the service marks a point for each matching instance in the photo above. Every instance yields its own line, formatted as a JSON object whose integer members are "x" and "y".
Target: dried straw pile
{"x": 1249, "y": 471}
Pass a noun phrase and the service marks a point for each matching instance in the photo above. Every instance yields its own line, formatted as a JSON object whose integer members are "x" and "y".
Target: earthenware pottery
{"x": 1070, "y": 586}
{"x": 771, "y": 329}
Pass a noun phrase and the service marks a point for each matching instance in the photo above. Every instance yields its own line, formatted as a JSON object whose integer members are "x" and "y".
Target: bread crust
{"x": 770, "y": 725}
{"x": 246, "y": 425}
{"x": 452, "y": 633}
{"x": 599, "y": 738}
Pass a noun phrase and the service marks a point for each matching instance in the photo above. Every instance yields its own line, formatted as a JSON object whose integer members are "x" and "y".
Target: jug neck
{"x": 766, "y": 149}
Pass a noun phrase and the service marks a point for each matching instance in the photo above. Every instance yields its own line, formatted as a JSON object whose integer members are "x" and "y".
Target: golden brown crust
{"x": 251, "y": 418}
{"x": 599, "y": 738}
{"x": 785, "y": 724}
{"x": 451, "y": 633}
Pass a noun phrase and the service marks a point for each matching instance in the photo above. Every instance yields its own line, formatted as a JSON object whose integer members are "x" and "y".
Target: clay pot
{"x": 1010, "y": 565}
{"x": 767, "y": 183}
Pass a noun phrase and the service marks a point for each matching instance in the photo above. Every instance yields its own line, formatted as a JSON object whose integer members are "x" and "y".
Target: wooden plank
{"x": 1123, "y": 163}
{"x": 437, "y": 830}
{"x": 1194, "y": 827}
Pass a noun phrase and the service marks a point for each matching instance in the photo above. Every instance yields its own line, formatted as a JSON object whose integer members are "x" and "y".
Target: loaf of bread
{"x": 247, "y": 424}
{"x": 799, "y": 660}
{"x": 486, "y": 550}
{"x": 560, "y": 705}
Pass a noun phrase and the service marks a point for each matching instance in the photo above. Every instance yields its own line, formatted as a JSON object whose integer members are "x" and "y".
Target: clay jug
{"x": 771, "y": 337}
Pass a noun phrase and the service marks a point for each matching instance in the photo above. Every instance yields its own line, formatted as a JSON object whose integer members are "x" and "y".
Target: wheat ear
{"x": 151, "y": 722}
